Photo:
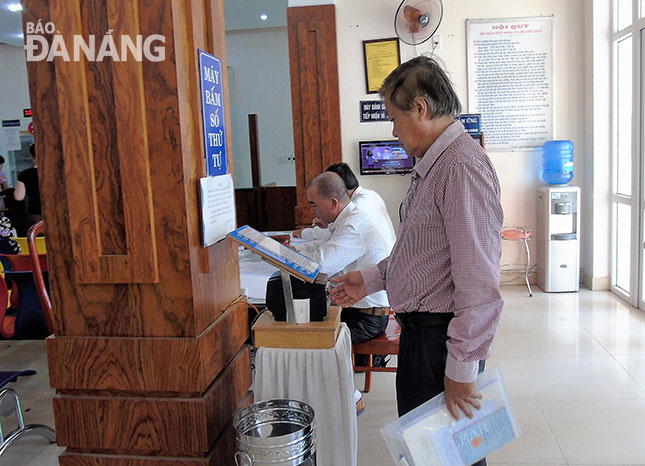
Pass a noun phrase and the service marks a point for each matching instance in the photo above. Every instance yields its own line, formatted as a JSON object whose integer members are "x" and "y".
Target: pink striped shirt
{"x": 447, "y": 255}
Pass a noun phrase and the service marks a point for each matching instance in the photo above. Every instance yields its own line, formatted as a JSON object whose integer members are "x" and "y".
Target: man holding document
{"x": 442, "y": 277}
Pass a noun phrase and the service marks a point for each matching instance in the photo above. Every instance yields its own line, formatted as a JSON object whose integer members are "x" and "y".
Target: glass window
{"x": 623, "y": 13}
{"x": 623, "y": 229}
{"x": 623, "y": 175}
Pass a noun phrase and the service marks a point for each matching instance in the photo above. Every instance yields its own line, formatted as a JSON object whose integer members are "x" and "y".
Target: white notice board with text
{"x": 510, "y": 80}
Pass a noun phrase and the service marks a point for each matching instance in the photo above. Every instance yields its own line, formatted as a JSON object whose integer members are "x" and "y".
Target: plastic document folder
{"x": 276, "y": 253}
{"x": 429, "y": 435}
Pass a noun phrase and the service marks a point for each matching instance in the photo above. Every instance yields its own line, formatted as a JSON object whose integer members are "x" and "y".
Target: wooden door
{"x": 314, "y": 96}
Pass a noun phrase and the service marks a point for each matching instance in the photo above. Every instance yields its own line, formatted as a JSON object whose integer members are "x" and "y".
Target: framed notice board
{"x": 381, "y": 56}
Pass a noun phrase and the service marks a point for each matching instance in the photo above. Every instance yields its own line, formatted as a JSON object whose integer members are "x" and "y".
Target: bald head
{"x": 330, "y": 185}
{"x": 327, "y": 196}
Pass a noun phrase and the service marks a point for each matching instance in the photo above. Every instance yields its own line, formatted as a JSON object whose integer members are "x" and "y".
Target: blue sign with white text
{"x": 471, "y": 122}
{"x": 210, "y": 71}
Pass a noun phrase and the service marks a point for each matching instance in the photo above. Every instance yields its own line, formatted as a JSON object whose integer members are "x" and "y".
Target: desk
{"x": 254, "y": 274}
{"x": 322, "y": 378}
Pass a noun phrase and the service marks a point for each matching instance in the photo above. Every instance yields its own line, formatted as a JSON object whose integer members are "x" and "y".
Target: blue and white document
{"x": 278, "y": 254}
{"x": 428, "y": 435}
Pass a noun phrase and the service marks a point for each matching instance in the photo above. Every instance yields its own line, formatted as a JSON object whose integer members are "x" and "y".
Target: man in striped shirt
{"x": 442, "y": 277}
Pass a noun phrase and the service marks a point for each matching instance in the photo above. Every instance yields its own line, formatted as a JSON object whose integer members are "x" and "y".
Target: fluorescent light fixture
{"x": 264, "y": 17}
{"x": 15, "y": 7}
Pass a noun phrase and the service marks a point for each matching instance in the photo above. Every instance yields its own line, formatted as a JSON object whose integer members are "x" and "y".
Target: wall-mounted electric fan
{"x": 417, "y": 20}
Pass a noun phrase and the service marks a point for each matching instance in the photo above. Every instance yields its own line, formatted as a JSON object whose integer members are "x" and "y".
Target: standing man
{"x": 442, "y": 277}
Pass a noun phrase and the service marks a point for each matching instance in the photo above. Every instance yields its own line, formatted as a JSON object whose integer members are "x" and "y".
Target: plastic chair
{"x": 36, "y": 263}
{"x": 36, "y": 268}
{"x": 29, "y": 297}
{"x": 387, "y": 343}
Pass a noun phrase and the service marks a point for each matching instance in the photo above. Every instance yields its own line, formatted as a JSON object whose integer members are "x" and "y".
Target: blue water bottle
{"x": 557, "y": 162}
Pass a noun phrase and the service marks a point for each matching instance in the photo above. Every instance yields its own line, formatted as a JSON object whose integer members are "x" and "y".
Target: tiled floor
{"x": 574, "y": 366}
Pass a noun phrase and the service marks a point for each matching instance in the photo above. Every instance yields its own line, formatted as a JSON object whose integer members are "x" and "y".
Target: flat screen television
{"x": 384, "y": 158}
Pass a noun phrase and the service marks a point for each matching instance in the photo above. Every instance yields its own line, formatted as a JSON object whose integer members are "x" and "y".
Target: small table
{"x": 322, "y": 378}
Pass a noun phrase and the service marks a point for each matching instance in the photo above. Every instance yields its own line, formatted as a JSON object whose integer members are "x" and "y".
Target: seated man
{"x": 365, "y": 199}
{"x": 354, "y": 242}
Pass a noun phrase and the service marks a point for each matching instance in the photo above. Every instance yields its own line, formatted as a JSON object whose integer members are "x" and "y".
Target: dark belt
{"x": 373, "y": 311}
{"x": 423, "y": 319}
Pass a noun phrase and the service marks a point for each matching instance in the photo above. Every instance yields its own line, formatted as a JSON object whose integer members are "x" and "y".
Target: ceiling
{"x": 245, "y": 14}
{"x": 10, "y": 24}
{"x": 240, "y": 14}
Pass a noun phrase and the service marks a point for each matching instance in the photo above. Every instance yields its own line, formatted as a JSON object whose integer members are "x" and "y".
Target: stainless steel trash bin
{"x": 275, "y": 433}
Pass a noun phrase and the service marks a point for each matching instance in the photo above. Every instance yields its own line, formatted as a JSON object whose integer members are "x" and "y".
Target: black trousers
{"x": 363, "y": 327}
{"x": 422, "y": 363}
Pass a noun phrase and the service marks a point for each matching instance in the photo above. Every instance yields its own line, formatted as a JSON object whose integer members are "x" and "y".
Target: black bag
{"x": 301, "y": 290}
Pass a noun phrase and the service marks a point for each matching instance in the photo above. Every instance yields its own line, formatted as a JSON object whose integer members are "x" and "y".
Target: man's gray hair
{"x": 330, "y": 185}
{"x": 421, "y": 77}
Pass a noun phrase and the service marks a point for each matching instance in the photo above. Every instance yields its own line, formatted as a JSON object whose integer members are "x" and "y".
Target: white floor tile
{"x": 624, "y": 336}
{"x": 554, "y": 340}
{"x": 598, "y": 431}
{"x": 378, "y": 412}
{"x": 635, "y": 366}
{"x": 514, "y": 374}
{"x": 537, "y": 444}
{"x": 535, "y": 312}
{"x": 573, "y": 377}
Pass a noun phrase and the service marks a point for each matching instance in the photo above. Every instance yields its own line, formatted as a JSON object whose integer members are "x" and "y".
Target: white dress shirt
{"x": 369, "y": 201}
{"x": 354, "y": 243}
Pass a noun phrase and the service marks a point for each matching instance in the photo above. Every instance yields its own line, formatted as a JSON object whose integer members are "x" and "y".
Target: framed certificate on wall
{"x": 381, "y": 57}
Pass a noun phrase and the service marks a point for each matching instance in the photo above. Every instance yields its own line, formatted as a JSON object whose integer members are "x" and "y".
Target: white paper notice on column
{"x": 218, "y": 207}
{"x": 510, "y": 81}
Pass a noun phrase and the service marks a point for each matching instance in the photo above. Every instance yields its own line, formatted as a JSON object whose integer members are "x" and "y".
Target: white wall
{"x": 14, "y": 98}
{"x": 14, "y": 87}
{"x": 519, "y": 172}
{"x": 259, "y": 81}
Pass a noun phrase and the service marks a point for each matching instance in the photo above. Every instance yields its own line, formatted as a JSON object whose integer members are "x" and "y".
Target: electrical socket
{"x": 287, "y": 159}
{"x": 436, "y": 42}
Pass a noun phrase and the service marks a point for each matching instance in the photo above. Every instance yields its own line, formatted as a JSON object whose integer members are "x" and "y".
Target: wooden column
{"x": 148, "y": 358}
{"x": 314, "y": 96}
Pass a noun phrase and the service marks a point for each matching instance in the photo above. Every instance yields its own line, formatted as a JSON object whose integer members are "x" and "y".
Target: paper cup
{"x": 301, "y": 310}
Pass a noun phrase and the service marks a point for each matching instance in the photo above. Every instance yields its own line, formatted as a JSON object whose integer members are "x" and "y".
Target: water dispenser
{"x": 558, "y": 238}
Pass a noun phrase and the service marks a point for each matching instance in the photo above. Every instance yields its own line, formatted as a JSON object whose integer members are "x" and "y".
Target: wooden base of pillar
{"x": 219, "y": 455}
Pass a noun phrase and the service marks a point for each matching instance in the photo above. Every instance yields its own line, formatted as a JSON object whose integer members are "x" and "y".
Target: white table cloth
{"x": 322, "y": 378}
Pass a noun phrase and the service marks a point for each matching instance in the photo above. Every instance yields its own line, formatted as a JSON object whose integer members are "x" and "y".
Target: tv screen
{"x": 384, "y": 158}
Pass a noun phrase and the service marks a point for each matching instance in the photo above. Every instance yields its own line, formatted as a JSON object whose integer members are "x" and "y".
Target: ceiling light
{"x": 15, "y": 7}
{"x": 264, "y": 17}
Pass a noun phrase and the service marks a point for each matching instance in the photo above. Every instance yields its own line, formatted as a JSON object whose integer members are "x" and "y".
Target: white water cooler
{"x": 558, "y": 238}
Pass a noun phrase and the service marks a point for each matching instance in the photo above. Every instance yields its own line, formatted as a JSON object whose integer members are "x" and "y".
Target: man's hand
{"x": 318, "y": 223}
{"x": 351, "y": 290}
{"x": 463, "y": 395}
{"x": 297, "y": 233}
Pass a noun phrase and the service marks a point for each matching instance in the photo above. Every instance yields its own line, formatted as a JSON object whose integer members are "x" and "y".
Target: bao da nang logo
{"x": 95, "y": 48}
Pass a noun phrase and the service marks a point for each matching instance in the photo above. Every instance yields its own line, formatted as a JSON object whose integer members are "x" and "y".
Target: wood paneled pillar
{"x": 148, "y": 358}
{"x": 314, "y": 96}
